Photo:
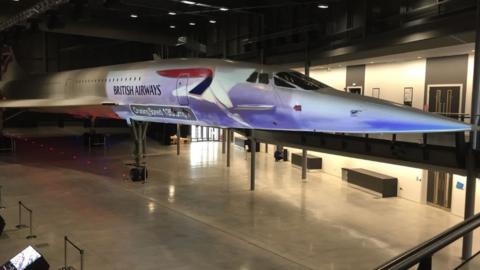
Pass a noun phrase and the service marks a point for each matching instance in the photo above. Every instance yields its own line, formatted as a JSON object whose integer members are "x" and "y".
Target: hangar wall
{"x": 335, "y": 77}
{"x": 356, "y": 77}
{"x": 410, "y": 184}
{"x": 392, "y": 78}
{"x": 447, "y": 70}
{"x": 468, "y": 95}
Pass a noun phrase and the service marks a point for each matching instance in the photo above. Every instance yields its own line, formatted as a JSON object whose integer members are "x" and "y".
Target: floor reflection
{"x": 204, "y": 153}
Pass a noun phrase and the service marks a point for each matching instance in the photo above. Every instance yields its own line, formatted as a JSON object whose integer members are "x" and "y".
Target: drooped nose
{"x": 331, "y": 111}
{"x": 404, "y": 119}
{"x": 394, "y": 118}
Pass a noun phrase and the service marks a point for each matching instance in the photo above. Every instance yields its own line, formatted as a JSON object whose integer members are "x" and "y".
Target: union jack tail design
{"x": 6, "y": 59}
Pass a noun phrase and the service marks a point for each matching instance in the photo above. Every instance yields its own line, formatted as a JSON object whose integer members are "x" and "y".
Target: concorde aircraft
{"x": 211, "y": 92}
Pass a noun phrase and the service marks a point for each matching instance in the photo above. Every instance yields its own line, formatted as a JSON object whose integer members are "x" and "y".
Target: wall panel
{"x": 392, "y": 78}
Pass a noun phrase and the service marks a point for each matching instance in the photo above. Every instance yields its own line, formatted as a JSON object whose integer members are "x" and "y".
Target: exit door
{"x": 355, "y": 90}
{"x": 202, "y": 134}
{"x": 444, "y": 100}
{"x": 182, "y": 89}
{"x": 439, "y": 189}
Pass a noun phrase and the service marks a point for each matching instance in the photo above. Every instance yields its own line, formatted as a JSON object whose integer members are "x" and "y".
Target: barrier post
{"x": 65, "y": 253}
{"x": 1, "y": 199}
{"x": 20, "y": 225}
{"x": 81, "y": 259}
{"x": 81, "y": 251}
{"x": 31, "y": 235}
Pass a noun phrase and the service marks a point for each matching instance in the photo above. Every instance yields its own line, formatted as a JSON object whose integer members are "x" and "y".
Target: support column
{"x": 307, "y": 59}
{"x": 92, "y": 125}
{"x": 471, "y": 171}
{"x": 304, "y": 164}
{"x": 262, "y": 42}
{"x": 223, "y": 140}
{"x": 1, "y": 122}
{"x": 253, "y": 151}
{"x": 266, "y": 147}
{"x": 178, "y": 139}
{"x": 229, "y": 134}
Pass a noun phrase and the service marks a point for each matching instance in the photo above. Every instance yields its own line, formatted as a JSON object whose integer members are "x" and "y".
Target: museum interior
{"x": 215, "y": 134}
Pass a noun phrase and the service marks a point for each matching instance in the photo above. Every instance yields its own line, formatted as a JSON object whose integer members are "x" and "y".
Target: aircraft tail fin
{"x": 9, "y": 68}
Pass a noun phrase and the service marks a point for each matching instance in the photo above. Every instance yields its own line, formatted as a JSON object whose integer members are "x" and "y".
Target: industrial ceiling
{"x": 280, "y": 31}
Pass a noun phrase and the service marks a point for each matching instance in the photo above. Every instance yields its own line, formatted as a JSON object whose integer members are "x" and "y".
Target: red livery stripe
{"x": 191, "y": 72}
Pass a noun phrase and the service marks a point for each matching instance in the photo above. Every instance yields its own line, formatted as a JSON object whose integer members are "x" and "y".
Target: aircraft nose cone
{"x": 404, "y": 119}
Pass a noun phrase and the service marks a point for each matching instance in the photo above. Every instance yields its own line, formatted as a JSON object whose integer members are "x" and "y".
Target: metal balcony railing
{"x": 422, "y": 254}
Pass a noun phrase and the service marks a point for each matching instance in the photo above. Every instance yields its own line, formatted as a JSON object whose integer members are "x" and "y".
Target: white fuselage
{"x": 217, "y": 93}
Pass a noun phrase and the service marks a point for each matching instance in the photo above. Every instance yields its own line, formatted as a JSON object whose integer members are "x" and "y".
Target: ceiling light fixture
{"x": 223, "y": 9}
{"x": 192, "y": 24}
{"x": 188, "y": 2}
{"x": 133, "y": 16}
{"x": 323, "y": 6}
{"x": 172, "y": 13}
{"x": 212, "y": 21}
{"x": 172, "y": 26}
{"x": 202, "y": 5}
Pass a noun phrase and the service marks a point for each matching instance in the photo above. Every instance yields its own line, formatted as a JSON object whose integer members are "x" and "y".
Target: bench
{"x": 372, "y": 182}
{"x": 313, "y": 162}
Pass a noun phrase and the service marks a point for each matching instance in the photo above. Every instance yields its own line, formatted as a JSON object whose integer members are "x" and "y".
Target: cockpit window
{"x": 253, "y": 77}
{"x": 300, "y": 80}
{"x": 263, "y": 78}
{"x": 282, "y": 83}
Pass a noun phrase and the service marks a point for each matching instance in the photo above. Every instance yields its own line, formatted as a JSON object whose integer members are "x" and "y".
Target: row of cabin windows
{"x": 123, "y": 79}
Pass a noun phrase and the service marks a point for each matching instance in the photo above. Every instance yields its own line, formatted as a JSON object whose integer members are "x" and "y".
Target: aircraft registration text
{"x": 163, "y": 112}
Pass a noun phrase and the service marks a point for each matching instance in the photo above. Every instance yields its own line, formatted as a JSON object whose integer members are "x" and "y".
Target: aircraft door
{"x": 69, "y": 88}
{"x": 182, "y": 89}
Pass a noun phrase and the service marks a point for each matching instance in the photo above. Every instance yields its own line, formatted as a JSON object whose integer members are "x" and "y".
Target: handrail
{"x": 467, "y": 260}
{"x": 81, "y": 251}
{"x": 20, "y": 224}
{"x": 425, "y": 251}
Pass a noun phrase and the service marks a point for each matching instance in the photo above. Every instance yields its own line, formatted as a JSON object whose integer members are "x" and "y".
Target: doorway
{"x": 206, "y": 134}
{"x": 445, "y": 100}
{"x": 439, "y": 189}
{"x": 357, "y": 90}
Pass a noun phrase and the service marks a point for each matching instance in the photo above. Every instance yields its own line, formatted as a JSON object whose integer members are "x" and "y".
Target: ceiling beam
{"x": 34, "y": 11}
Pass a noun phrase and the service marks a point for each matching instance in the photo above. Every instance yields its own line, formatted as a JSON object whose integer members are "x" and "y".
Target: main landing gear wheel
{"x": 138, "y": 174}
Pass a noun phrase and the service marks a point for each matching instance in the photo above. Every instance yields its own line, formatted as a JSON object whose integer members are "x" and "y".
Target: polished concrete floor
{"x": 194, "y": 213}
